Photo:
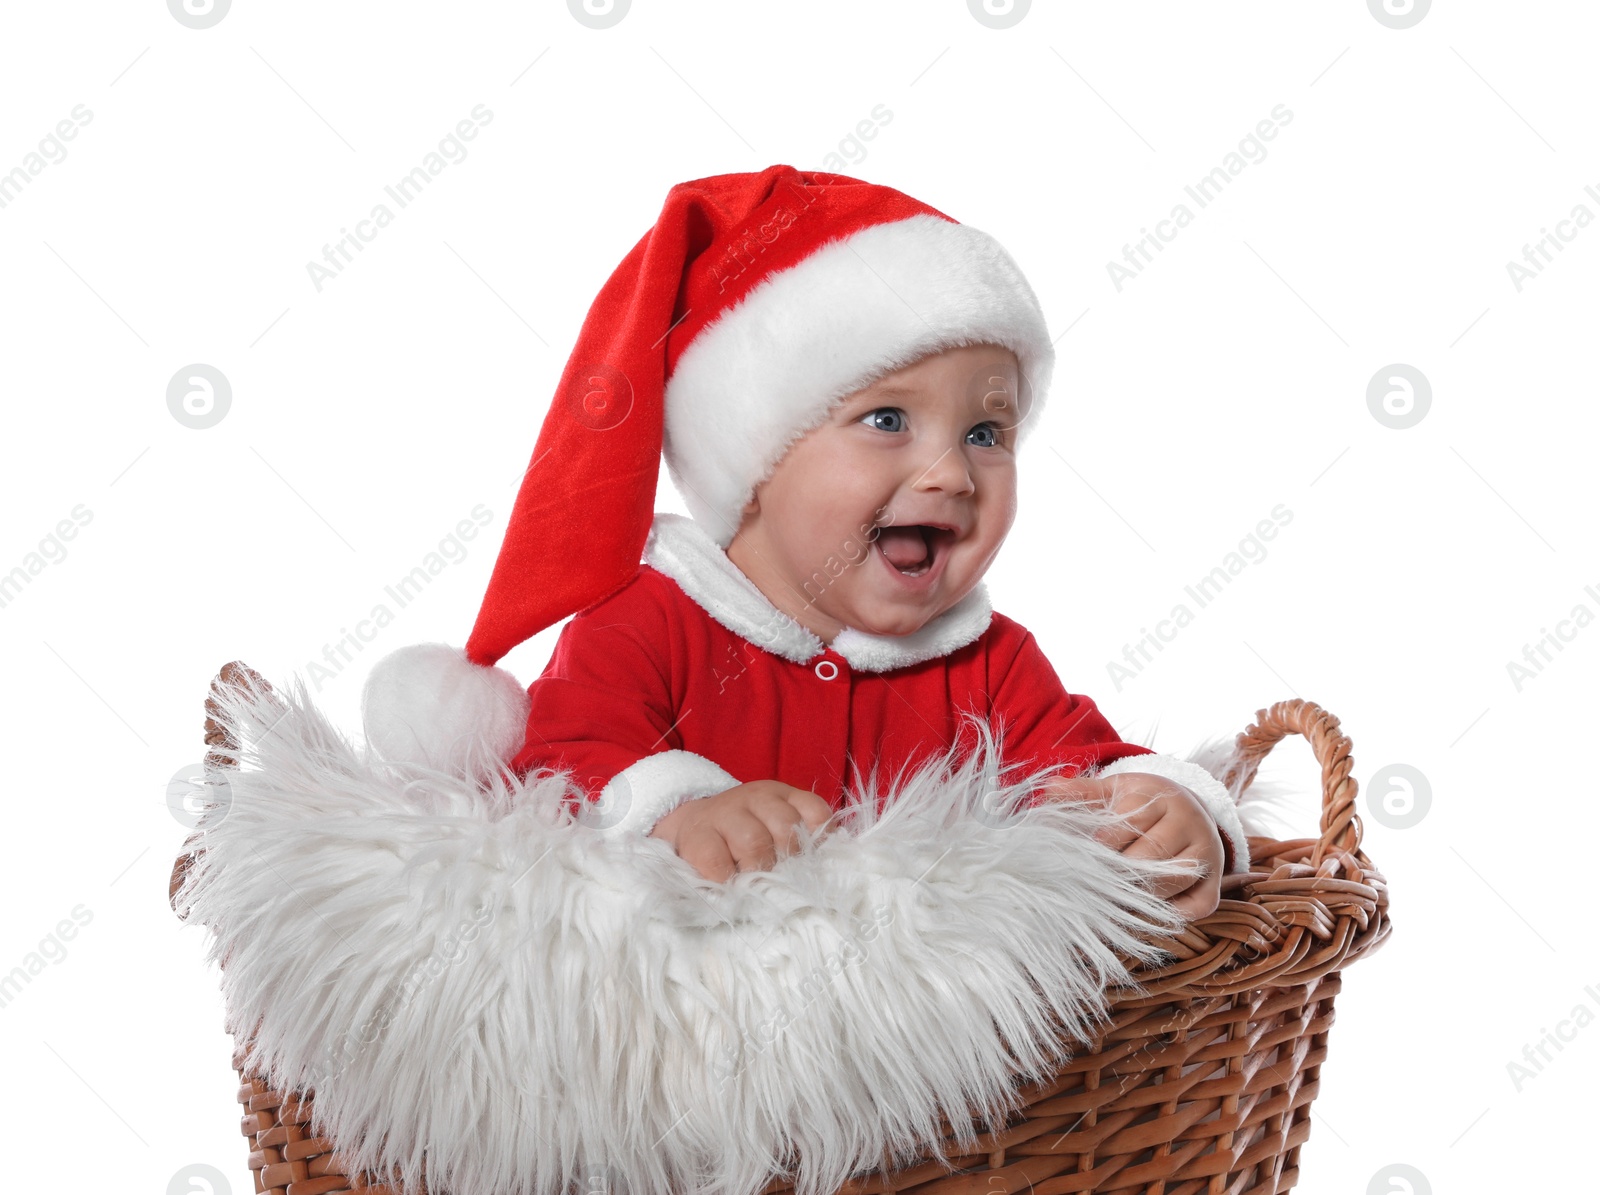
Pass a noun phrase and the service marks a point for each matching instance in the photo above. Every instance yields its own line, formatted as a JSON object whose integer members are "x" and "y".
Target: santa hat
{"x": 754, "y": 303}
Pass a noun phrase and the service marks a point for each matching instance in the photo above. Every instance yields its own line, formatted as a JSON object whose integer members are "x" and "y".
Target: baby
{"x": 840, "y": 377}
{"x": 919, "y": 470}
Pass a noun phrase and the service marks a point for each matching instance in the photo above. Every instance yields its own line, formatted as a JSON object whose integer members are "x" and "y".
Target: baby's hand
{"x": 1167, "y": 822}
{"x": 742, "y": 829}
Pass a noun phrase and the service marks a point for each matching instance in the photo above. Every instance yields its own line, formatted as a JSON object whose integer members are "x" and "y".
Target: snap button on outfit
{"x": 832, "y": 669}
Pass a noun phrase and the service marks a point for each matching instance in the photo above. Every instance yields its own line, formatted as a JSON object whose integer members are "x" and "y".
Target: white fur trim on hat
{"x": 428, "y": 704}
{"x": 770, "y": 368}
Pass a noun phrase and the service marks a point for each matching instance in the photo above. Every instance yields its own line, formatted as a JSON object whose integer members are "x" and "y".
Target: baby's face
{"x": 890, "y": 512}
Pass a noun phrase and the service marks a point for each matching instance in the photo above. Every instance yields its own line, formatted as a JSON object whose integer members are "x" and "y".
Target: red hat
{"x": 731, "y": 329}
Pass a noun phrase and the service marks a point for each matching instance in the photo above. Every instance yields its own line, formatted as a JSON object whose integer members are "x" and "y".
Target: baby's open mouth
{"x": 914, "y": 548}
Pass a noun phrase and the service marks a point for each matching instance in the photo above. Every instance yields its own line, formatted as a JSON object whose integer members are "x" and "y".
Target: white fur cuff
{"x": 1218, "y": 801}
{"x": 645, "y": 792}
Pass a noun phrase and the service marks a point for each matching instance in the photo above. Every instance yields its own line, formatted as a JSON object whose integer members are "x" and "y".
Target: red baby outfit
{"x": 687, "y": 681}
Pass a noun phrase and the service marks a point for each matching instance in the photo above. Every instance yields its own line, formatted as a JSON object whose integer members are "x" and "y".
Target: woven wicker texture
{"x": 1202, "y": 1085}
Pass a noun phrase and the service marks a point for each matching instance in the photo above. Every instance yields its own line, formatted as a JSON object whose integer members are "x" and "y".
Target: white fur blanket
{"x": 469, "y": 973}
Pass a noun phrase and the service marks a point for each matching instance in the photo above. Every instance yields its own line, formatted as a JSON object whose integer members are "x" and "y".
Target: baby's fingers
{"x": 1173, "y": 885}
{"x": 750, "y": 840}
{"x": 1200, "y": 899}
{"x": 705, "y": 850}
{"x": 1118, "y": 837}
{"x": 1130, "y": 832}
{"x": 813, "y": 810}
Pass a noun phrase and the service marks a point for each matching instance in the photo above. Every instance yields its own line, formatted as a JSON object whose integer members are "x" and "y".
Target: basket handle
{"x": 221, "y": 753}
{"x": 1341, "y": 827}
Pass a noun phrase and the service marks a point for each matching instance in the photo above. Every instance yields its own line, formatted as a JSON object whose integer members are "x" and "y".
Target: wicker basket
{"x": 1201, "y": 1085}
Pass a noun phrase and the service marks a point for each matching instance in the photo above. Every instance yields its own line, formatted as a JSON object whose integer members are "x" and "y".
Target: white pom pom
{"x": 428, "y": 704}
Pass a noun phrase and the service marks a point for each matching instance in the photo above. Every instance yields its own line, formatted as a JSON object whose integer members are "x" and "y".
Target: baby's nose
{"x": 947, "y": 472}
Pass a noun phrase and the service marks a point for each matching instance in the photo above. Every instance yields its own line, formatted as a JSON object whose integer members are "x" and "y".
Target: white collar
{"x": 680, "y": 548}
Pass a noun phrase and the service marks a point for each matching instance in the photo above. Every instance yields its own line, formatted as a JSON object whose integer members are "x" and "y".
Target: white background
{"x": 1228, "y": 377}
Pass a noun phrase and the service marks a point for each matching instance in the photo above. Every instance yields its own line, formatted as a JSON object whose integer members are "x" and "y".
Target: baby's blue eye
{"x": 988, "y": 434}
{"x": 894, "y": 413}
